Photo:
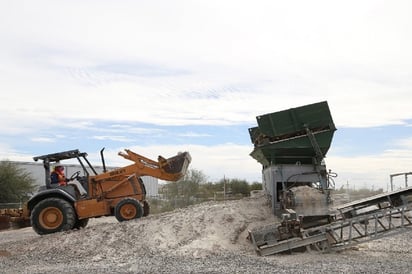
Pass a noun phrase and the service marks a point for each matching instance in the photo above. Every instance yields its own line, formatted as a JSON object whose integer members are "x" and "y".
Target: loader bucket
{"x": 176, "y": 165}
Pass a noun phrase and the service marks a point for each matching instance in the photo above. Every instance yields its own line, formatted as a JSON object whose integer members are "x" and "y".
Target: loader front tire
{"x": 52, "y": 215}
{"x": 128, "y": 209}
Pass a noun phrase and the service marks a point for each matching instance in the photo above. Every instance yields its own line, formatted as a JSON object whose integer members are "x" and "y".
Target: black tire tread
{"x": 124, "y": 201}
{"x": 66, "y": 208}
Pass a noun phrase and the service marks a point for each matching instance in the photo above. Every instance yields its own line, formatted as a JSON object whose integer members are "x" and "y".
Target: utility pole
{"x": 224, "y": 188}
{"x": 347, "y": 190}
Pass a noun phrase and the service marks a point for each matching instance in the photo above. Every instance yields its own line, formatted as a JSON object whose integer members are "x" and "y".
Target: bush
{"x": 16, "y": 185}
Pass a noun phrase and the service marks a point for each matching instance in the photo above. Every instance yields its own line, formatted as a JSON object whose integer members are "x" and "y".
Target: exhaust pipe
{"x": 103, "y": 162}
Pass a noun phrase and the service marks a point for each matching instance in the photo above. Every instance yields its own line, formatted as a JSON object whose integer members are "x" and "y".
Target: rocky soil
{"x": 207, "y": 238}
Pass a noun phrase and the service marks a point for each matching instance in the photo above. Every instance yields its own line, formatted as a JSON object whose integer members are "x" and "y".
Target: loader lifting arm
{"x": 171, "y": 169}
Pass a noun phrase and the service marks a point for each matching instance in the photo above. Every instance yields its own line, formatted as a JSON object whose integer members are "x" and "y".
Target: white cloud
{"x": 112, "y": 138}
{"x": 371, "y": 170}
{"x": 205, "y": 63}
{"x": 407, "y": 143}
{"x": 192, "y": 134}
{"x": 11, "y": 154}
{"x": 43, "y": 140}
{"x": 255, "y": 57}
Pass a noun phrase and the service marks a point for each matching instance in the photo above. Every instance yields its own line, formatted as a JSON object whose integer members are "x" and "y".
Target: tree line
{"x": 195, "y": 188}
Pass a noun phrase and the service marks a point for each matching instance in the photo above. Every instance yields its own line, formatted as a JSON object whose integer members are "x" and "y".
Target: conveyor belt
{"x": 356, "y": 222}
{"x": 379, "y": 201}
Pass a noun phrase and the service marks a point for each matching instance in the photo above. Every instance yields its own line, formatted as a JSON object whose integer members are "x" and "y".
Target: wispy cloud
{"x": 194, "y": 134}
{"x": 160, "y": 71}
{"x": 43, "y": 140}
{"x": 407, "y": 142}
{"x": 113, "y": 138}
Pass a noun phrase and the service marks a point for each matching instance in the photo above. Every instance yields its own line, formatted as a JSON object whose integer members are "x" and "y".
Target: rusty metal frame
{"x": 343, "y": 232}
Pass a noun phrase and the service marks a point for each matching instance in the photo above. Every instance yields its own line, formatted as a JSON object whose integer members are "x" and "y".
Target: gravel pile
{"x": 207, "y": 238}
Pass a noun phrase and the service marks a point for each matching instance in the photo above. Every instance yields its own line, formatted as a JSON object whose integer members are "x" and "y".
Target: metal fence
{"x": 10, "y": 205}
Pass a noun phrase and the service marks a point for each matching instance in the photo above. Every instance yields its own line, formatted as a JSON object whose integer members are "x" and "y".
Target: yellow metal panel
{"x": 92, "y": 208}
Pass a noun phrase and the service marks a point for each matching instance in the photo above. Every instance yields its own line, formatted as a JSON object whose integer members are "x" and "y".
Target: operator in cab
{"x": 58, "y": 177}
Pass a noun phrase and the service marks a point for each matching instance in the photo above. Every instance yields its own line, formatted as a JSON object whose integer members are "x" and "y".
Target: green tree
{"x": 16, "y": 185}
{"x": 182, "y": 192}
{"x": 239, "y": 187}
{"x": 189, "y": 184}
{"x": 234, "y": 186}
{"x": 255, "y": 186}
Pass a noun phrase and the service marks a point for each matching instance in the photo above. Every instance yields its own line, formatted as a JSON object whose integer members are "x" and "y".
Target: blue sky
{"x": 160, "y": 77}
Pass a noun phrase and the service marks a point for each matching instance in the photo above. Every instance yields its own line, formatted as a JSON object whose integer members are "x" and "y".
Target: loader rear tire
{"x": 52, "y": 215}
{"x": 128, "y": 209}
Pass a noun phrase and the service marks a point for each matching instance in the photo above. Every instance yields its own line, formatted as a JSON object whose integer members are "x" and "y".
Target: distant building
{"x": 37, "y": 172}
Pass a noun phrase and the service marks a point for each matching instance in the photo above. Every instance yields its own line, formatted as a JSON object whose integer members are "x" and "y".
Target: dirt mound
{"x": 198, "y": 231}
{"x": 206, "y": 238}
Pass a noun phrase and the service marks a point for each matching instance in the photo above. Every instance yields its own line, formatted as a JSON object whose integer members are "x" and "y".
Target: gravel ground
{"x": 207, "y": 238}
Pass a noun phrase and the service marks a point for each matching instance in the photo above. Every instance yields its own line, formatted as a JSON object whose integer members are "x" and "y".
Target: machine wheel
{"x": 52, "y": 215}
{"x": 146, "y": 208}
{"x": 81, "y": 223}
{"x": 128, "y": 209}
{"x": 318, "y": 247}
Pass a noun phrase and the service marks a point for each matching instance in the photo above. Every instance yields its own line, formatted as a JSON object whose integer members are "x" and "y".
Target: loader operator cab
{"x": 77, "y": 184}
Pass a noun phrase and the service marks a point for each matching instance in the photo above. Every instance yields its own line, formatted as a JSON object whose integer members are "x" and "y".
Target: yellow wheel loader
{"x": 119, "y": 192}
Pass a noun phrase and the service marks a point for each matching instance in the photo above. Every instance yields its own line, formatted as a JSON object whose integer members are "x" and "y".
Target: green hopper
{"x": 299, "y": 135}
